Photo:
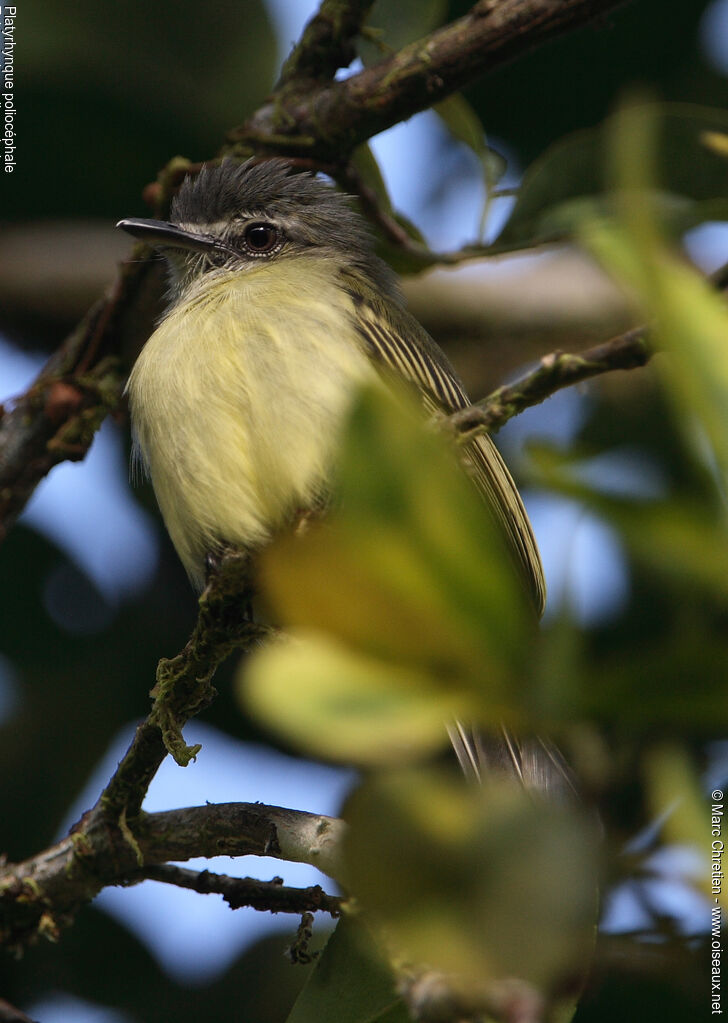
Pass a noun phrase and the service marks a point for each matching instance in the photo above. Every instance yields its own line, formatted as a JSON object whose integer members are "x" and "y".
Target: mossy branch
{"x": 41, "y": 896}
{"x": 184, "y": 685}
{"x": 553, "y": 373}
{"x": 326, "y": 121}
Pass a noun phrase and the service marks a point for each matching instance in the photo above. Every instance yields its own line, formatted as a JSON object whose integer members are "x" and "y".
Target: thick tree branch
{"x": 327, "y": 122}
{"x": 56, "y": 419}
{"x": 272, "y": 896}
{"x": 327, "y": 42}
{"x": 241, "y": 829}
{"x": 41, "y": 895}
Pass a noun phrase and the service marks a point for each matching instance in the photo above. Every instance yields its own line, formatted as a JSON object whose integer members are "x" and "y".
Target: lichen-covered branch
{"x": 184, "y": 686}
{"x": 41, "y": 895}
{"x": 115, "y": 840}
{"x": 554, "y": 372}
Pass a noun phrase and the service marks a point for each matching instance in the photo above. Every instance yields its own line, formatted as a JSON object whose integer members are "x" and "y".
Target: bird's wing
{"x": 403, "y": 346}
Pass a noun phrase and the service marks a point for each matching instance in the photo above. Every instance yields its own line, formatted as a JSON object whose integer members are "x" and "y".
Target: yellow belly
{"x": 236, "y": 400}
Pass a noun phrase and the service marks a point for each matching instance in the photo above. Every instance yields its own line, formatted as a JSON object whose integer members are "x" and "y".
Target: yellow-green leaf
{"x": 351, "y": 983}
{"x": 409, "y": 568}
{"x": 335, "y": 703}
{"x": 690, "y": 319}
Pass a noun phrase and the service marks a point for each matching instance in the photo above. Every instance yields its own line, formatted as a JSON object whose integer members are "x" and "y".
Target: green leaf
{"x": 351, "y": 983}
{"x": 401, "y": 483}
{"x": 410, "y": 567}
{"x": 690, "y": 319}
{"x": 572, "y": 178}
{"x": 464, "y": 125}
{"x": 404, "y": 260}
{"x": 482, "y": 884}
{"x": 691, "y": 324}
{"x": 366, "y": 165}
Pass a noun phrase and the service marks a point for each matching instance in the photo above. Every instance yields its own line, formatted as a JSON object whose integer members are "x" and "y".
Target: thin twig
{"x": 239, "y": 892}
{"x": 553, "y": 373}
{"x": 556, "y": 371}
{"x": 184, "y": 685}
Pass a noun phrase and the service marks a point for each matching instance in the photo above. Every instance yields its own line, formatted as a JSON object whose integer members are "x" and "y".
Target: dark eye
{"x": 261, "y": 238}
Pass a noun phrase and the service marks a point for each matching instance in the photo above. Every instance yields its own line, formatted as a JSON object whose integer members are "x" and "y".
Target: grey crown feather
{"x": 314, "y": 213}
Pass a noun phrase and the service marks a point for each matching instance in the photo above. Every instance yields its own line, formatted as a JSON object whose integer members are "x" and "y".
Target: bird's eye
{"x": 261, "y": 238}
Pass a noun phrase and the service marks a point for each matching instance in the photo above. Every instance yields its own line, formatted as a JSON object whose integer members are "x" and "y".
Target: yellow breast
{"x": 236, "y": 401}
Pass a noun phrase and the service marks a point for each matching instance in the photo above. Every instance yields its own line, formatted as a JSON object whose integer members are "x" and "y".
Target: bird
{"x": 278, "y": 310}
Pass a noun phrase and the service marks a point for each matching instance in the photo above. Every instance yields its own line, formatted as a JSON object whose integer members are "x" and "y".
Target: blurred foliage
{"x": 109, "y": 94}
{"x": 462, "y": 879}
{"x": 442, "y": 872}
{"x": 571, "y": 180}
{"x": 411, "y": 575}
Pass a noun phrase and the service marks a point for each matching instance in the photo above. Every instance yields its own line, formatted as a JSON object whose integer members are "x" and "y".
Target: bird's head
{"x": 233, "y": 217}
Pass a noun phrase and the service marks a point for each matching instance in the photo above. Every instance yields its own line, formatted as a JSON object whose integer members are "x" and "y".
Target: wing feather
{"x": 408, "y": 350}
{"x": 398, "y": 342}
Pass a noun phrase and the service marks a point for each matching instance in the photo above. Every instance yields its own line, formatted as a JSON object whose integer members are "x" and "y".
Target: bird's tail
{"x": 534, "y": 762}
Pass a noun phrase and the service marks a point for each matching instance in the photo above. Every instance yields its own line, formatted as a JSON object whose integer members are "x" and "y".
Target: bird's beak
{"x": 162, "y": 235}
